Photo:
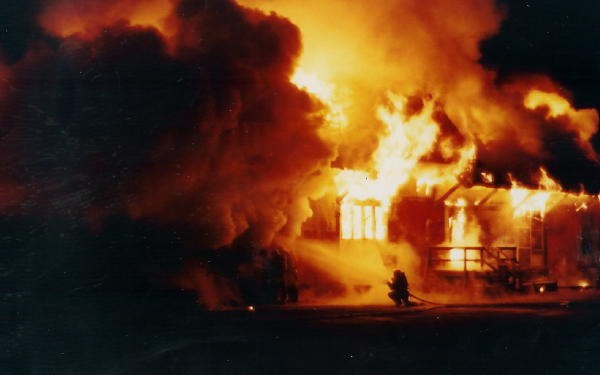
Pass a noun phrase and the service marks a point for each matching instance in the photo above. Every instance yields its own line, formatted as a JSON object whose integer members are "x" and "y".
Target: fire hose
{"x": 424, "y": 300}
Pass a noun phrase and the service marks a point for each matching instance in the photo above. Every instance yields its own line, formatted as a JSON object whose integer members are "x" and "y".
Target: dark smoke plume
{"x": 193, "y": 130}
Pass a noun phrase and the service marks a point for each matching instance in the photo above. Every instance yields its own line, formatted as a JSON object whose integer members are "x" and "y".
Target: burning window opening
{"x": 362, "y": 220}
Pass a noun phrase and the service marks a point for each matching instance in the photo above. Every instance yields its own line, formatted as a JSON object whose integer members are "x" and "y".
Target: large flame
{"x": 366, "y": 75}
{"x": 526, "y": 201}
{"x": 405, "y": 141}
{"x": 326, "y": 92}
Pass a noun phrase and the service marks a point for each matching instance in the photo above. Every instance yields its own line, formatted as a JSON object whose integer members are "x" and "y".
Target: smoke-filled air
{"x": 267, "y": 151}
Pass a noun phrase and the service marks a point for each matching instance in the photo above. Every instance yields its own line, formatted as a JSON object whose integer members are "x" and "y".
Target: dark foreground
{"x": 549, "y": 338}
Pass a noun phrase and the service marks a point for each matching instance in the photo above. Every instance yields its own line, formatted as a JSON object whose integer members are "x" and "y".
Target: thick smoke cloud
{"x": 553, "y": 37}
{"x": 134, "y": 145}
{"x": 201, "y": 129}
{"x": 559, "y": 39}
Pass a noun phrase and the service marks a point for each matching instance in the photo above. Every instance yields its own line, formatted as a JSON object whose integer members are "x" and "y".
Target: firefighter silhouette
{"x": 399, "y": 289}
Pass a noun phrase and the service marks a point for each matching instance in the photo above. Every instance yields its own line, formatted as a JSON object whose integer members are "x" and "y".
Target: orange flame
{"x": 327, "y": 93}
{"x": 406, "y": 140}
{"x": 528, "y": 201}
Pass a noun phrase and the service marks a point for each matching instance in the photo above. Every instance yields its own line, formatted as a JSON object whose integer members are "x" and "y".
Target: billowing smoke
{"x": 200, "y": 128}
{"x": 173, "y": 114}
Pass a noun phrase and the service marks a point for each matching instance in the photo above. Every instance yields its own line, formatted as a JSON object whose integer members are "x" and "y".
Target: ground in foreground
{"x": 513, "y": 338}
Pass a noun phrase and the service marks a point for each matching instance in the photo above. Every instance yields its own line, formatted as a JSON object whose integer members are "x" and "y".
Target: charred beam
{"x": 487, "y": 198}
{"x": 449, "y": 193}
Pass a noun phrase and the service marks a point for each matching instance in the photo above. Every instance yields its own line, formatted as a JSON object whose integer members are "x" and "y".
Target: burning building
{"x": 481, "y": 235}
{"x": 239, "y": 129}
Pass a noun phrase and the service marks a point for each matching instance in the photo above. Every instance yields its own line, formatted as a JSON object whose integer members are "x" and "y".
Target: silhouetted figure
{"x": 399, "y": 287}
